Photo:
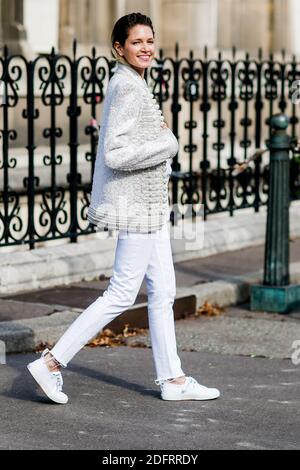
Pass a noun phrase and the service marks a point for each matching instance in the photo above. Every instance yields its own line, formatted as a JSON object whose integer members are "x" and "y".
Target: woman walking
{"x": 130, "y": 194}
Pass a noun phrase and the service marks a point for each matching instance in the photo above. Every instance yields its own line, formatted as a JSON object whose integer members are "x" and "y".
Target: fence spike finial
{"x": 74, "y": 48}
{"x": 233, "y": 51}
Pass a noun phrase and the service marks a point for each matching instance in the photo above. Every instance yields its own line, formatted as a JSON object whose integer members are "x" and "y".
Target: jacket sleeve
{"x": 121, "y": 151}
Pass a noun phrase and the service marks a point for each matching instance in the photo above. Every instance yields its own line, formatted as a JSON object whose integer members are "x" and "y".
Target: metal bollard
{"x": 276, "y": 294}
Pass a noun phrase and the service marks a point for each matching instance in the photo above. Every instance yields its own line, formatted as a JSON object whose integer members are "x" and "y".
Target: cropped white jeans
{"x": 137, "y": 255}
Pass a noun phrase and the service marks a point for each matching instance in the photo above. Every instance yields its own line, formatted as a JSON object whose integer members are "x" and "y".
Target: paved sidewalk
{"x": 236, "y": 331}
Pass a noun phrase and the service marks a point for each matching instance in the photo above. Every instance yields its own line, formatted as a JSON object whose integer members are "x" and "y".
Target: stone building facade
{"x": 31, "y": 27}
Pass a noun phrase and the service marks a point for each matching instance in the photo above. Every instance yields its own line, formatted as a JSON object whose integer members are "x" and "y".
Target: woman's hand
{"x": 164, "y": 125}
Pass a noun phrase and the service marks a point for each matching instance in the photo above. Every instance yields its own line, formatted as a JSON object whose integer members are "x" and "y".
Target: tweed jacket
{"x": 132, "y": 167}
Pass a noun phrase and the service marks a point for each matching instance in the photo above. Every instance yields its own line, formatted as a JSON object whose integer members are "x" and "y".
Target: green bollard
{"x": 276, "y": 294}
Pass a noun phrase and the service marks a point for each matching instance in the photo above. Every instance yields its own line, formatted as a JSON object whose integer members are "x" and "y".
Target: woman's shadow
{"x": 24, "y": 387}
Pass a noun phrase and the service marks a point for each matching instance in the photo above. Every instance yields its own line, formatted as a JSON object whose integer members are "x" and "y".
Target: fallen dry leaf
{"x": 108, "y": 338}
{"x": 41, "y": 346}
{"x": 209, "y": 310}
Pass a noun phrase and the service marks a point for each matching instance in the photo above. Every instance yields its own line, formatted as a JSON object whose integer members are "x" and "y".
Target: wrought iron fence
{"x": 218, "y": 108}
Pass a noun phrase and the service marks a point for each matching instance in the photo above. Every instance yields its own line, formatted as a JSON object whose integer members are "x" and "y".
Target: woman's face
{"x": 139, "y": 47}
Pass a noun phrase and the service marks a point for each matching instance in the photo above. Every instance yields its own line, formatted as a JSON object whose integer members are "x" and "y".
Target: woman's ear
{"x": 117, "y": 47}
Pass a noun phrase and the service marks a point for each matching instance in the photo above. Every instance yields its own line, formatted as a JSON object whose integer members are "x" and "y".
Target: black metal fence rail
{"x": 218, "y": 108}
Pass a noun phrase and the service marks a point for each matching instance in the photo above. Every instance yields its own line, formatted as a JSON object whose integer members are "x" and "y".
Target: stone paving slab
{"x": 13, "y": 309}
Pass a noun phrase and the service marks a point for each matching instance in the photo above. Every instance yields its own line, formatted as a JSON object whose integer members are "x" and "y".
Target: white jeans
{"x": 138, "y": 255}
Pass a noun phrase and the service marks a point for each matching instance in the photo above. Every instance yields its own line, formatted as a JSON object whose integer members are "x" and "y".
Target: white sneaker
{"x": 189, "y": 390}
{"x": 50, "y": 382}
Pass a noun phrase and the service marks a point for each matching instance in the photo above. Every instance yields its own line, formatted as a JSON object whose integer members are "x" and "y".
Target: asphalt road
{"x": 114, "y": 404}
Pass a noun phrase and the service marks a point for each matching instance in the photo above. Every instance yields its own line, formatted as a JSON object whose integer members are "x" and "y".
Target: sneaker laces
{"x": 194, "y": 384}
{"x": 59, "y": 380}
{"x": 189, "y": 381}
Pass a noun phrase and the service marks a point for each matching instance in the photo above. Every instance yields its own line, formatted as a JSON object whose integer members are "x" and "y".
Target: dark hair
{"x": 122, "y": 27}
